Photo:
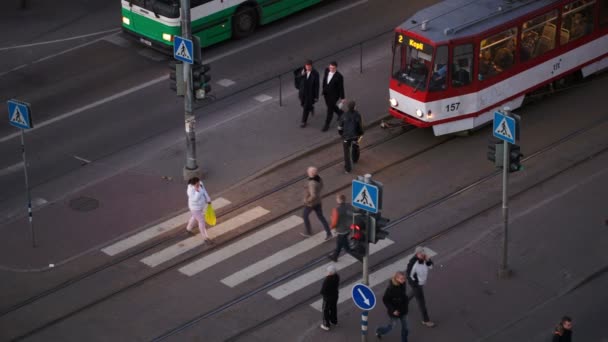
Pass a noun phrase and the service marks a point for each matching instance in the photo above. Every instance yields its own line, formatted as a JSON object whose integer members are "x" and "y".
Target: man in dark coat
{"x": 563, "y": 331}
{"x": 333, "y": 90}
{"x": 396, "y": 302}
{"x": 350, "y": 127}
{"x": 308, "y": 90}
{"x": 330, "y": 292}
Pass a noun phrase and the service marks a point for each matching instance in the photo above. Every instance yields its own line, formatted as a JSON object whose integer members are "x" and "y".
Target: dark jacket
{"x": 330, "y": 287}
{"x": 335, "y": 89}
{"x": 395, "y": 299}
{"x": 313, "y": 191}
{"x": 344, "y": 219}
{"x": 562, "y": 335}
{"x": 350, "y": 125}
{"x": 308, "y": 88}
{"x": 414, "y": 281}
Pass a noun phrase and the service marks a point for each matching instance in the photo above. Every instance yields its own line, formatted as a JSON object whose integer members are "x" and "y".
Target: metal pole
{"x": 367, "y": 179}
{"x": 23, "y": 4}
{"x": 504, "y": 268}
{"x": 27, "y": 189}
{"x": 360, "y": 58}
{"x": 364, "y": 315}
{"x": 191, "y": 168}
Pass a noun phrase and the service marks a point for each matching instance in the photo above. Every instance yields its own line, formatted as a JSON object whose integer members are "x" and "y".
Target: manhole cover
{"x": 84, "y": 203}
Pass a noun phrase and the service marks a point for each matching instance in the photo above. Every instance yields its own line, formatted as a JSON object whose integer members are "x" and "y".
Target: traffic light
{"x": 377, "y": 228}
{"x": 176, "y": 78}
{"x": 200, "y": 80}
{"x": 515, "y": 158}
{"x": 496, "y": 151}
{"x": 358, "y": 235}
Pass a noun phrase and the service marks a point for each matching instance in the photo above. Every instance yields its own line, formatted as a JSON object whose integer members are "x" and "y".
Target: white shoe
{"x": 324, "y": 327}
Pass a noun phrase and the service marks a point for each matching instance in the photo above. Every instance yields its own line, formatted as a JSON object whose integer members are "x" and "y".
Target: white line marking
{"x": 58, "y": 40}
{"x": 376, "y": 278}
{"x": 195, "y": 241}
{"x": 11, "y": 169}
{"x": 274, "y": 260}
{"x": 240, "y": 246}
{"x": 156, "y": 230}
{"x": 82, "y": 159}
{"x": 263, "y": 98}
{"x": 319, "y": 273}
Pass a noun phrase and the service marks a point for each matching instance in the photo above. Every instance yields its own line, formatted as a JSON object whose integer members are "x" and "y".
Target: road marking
{"x": 320, "y": 272}
{"x": 240, "y": 246}
{"x": 262, "y": 98}
{"x": 86, "y": 161}
{"x": 274, "y": 260}
{"x": 156, "y": 230}
{"x": 376, "y": 278}
{"x": 11, "y": 169}
{"x": 195, "y": 241}
{"x": 164, "y": 78}
{"x": 224, "y": 82}
{"x": 58, "y": 40}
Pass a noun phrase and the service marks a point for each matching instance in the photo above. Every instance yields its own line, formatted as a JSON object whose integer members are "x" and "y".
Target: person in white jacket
{"x": 198, "y": 199}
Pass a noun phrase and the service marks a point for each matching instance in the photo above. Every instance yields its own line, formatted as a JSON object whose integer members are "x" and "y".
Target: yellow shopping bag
{"x": 210, "y": 218}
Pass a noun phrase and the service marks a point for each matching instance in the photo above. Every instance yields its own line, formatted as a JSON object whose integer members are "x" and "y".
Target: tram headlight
{"x": 126, "y": 21}
{"x": 167, "y": 37}
{"x": 393, "y": 102}
{"x": 419, "y": 113}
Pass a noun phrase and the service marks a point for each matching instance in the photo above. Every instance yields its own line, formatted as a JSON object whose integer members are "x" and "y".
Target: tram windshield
{"x": 412, "y": 62}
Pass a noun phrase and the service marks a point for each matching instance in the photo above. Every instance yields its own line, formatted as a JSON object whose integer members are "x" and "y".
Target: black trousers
{"x": 341, "y": 242}
{"x": 418, "y": 293}
{"x": 307, "y": 110}
{"x": 318, "y": 209}
{"x": 331, "y": 109}
{"x": 330, "y": 311}
{"x": 351, "y": 153}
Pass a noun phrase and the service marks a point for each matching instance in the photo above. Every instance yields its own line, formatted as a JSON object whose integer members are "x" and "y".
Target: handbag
{"x": 210, "y": 218}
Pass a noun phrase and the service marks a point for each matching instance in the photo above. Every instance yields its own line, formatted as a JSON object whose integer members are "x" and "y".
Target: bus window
{"x": 538, "y": 36}
{"x": 439, "y": 77}
{"x": 462, "y": 61}
{"x": 496, "y": 53}
{"x": 604, "y": 13}
{"x": 412, "y": 62}
{"x": 577, "y": 20}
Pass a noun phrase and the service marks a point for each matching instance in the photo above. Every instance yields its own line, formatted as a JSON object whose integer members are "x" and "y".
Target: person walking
{"x": 396, "y": 302}
{"x": 350, "y": 128}
{"x": 198, "y": 199}
{"x": 340, "y": 221}
{"x": 417, "y": 274}
{"x": 333, "y": 90}
{"x": 563, "y": 331}
{"x": 330, "y": 292}
{"x": 312, "y": 202}
{"x": 308, "y": 90}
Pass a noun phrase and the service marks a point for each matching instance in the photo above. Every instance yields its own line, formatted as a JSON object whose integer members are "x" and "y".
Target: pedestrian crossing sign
{"x": 19, "y": 114}
{"x": 182, "y": 50}
{"x": 365, "y": 196}
{"x": 504, "y": 127}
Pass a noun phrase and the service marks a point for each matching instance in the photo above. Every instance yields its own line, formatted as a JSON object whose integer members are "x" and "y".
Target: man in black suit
{"x": 308, "y": 90}
{"x": 333, "y": 90}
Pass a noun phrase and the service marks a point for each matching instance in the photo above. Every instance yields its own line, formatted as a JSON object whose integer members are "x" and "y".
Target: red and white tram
{"x": 458, "y": 61}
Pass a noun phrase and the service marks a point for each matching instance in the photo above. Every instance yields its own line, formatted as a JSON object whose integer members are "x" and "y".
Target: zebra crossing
{"x": 257, "y": 267}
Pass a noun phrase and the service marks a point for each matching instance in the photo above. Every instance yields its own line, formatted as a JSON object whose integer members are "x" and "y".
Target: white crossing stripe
{"x": 376, "y": 278}
{"x": 274, "y": 260}
{"x": 156, "y": 230}
{"x": 241, "y": 245}
{"x": 195, "y": 241}
{"x": 320, "y": 272}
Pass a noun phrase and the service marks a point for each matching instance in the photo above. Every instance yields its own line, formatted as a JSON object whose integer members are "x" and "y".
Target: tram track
{"x": 395, "y": 256}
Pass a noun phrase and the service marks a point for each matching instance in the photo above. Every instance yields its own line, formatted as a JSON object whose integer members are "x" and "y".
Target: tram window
{"x": 461, "y": 65}
{"x": 538, "y": 36}
{"x": 412, "y": 62}
{"x": 439, "y": 77}
{"x": 577, "y": 19}
{"x": 604, "y": 13}
{"x": 496, "y": 53}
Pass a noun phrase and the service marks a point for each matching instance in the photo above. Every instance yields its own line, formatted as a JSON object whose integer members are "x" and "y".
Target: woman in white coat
{"x": 198, "y": 199}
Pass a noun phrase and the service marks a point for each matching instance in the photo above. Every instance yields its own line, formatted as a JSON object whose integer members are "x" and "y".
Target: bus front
{"x": 152, "y": 22}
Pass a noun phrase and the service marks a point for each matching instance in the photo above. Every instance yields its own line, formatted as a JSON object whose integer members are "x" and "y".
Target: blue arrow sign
{"x": 504, "y": 127}
{"x": 363, "y": 297}
{"x": 19, "y": 114}
{"x": 182, "y": 50}
{"x": 365, "y": 196}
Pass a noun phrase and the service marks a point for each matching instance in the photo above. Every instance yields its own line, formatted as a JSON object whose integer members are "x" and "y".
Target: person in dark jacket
{"x": 330, "y": 291}
{"x": 350, "y": 127}
{"x": 308, "y": 90}
{"x": 563, "y": 331}
{"x": 396, "y": 302}
{"x": 341, "y": 218}
{"x": 417, "y": 273}
{"x": 333, "y": 90}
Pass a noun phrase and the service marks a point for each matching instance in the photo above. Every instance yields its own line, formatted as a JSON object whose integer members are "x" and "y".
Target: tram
{"x": 458, "y": 61}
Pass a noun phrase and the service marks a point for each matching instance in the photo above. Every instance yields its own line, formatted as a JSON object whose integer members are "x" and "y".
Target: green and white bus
{"x": 156, "y": 22}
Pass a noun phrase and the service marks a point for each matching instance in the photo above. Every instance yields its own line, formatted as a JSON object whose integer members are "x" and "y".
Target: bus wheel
{"x": 244, "y": 22}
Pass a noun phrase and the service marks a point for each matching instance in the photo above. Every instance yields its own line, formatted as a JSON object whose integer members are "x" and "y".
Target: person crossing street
{"x": 312, "y": 202}
{"x": 341, "y": 217}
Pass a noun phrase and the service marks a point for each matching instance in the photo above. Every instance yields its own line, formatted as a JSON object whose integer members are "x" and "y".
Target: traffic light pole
{"x": 365, "y": 272}
{"x": 191, "y": 168}
{"x": 504, "y": 271}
